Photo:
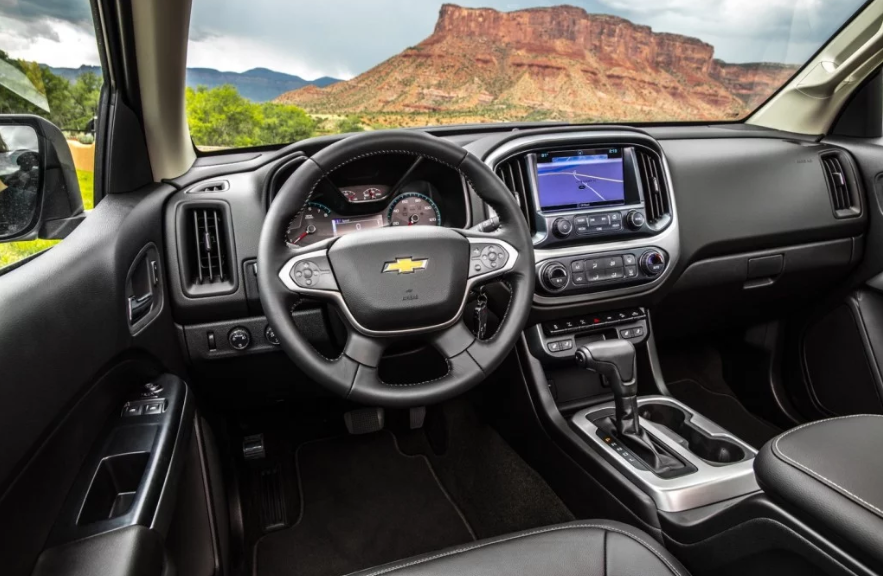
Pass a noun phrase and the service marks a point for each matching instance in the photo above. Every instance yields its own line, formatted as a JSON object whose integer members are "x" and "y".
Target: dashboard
{"x": 701, "y": 224}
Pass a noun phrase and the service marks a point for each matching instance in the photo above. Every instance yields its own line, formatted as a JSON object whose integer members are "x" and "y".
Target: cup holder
{"x": 710, "y": 449}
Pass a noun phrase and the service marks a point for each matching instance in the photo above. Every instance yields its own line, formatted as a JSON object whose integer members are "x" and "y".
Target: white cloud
{"x": 49, "y": 41}
{"x": 238, "y": 54}
{"x": 745, "y": 30}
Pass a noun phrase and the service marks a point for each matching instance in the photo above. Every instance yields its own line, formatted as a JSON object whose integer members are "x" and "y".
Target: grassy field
{"x": 15, "y": 251}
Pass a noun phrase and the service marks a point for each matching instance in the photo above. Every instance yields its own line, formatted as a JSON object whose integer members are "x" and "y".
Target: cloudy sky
{"x": 343, "y": 38}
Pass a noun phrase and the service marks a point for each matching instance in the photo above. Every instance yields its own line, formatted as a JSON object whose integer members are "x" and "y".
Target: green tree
{"x": 221, "y": 117}
{"x": 284, "y": 123}
{"x": 84, "y": 94}
{"x": 71, "y": 106}
{"x": 350, "y": 124}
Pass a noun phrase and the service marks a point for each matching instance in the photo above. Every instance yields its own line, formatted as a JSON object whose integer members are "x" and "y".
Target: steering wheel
{"x": 396, "y": 283}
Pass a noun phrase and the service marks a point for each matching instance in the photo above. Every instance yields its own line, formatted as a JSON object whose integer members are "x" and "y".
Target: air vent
{"x": 653, "y": 183}
{"x": 513, "y": 173}
{"x": 210, "y": 244}
{"x": 841, "y": 185}
{"x": 219, "y": 186}
{"x": 205, "y": 249}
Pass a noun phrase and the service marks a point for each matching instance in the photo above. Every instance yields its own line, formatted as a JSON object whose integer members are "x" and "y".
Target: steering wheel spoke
{"x": 365, "y": 350}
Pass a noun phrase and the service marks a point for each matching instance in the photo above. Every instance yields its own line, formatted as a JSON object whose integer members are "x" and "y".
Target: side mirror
{"x": 39, "y": 192}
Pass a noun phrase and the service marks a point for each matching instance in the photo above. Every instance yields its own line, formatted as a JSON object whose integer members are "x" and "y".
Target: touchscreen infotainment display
{"x": 573, "y": 179}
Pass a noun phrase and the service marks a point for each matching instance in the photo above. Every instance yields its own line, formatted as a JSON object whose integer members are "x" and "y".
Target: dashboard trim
{"x": 667, "y": 240}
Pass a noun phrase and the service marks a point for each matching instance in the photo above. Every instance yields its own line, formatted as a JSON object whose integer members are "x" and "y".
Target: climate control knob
{"x": 562, "y": 227}
{"x": 652, "y": 263}
{"x": 635, "y": 220}
{"x": 554, "y": 276}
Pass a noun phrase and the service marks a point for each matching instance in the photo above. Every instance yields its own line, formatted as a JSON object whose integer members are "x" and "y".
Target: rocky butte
{"x": 550, "y": 63}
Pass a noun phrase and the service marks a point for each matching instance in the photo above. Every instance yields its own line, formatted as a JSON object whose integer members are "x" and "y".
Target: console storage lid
{"x": 831, "y": 471}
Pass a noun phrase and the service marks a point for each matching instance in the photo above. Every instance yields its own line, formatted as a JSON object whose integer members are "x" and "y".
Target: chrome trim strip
{"x": 667, "y": 240}
{"x": 336, "y": 297}
{"x": 708, "y": 485}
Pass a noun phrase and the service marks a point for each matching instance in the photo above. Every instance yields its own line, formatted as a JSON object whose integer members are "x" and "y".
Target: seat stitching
{"x": 605, "y": 553}
{"x": 830, "y": 483}
{"x": 526, "y": 534}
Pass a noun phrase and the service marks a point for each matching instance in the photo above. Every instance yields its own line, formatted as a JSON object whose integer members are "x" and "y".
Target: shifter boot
{"x": 632, "y": 436}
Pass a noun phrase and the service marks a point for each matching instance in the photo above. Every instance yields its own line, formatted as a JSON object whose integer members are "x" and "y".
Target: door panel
{"x": 69, "y": 358}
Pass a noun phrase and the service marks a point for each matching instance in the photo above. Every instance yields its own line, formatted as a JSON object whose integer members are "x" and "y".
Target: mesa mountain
{"x": 550, "y": 63}
{"x": 257, "y": 84}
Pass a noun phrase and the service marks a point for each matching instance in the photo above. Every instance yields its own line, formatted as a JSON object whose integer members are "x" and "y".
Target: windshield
{"x": 272, "y": 71}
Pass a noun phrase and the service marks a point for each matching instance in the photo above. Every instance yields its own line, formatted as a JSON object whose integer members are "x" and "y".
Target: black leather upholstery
{"x": 575, "y": 549}
{"x": 832, "y": 470}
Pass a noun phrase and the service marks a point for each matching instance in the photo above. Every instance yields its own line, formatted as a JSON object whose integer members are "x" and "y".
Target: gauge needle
{"x": 310, "y": 230}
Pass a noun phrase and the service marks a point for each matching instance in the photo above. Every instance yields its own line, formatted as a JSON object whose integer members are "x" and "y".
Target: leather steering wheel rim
{"x": 354, "y": 374}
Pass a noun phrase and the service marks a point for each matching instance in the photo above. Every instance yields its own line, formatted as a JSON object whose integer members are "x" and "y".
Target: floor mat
{"x": 498, "y": 492}
{"x": 364, "y": 503}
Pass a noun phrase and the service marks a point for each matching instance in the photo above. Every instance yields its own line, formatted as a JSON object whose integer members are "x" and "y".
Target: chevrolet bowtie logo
{"x": 405, "y": 266}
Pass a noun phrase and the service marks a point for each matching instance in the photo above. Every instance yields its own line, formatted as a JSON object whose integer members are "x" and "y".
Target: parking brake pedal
{"x": 365, "y": 420}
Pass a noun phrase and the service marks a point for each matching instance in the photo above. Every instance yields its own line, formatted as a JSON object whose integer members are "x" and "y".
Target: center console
{"x": 680, "y": 459}
{"x": 601, "y": 209}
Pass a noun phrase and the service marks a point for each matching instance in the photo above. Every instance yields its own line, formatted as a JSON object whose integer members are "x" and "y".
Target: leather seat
{"x": 576, "y": 549}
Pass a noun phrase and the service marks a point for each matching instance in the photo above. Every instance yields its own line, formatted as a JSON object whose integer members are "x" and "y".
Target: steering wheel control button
{"x": 313, "y": 273}
{"x": 270, "y": 335}
{"x": 239, "y": 338}
{"x": 490, "y": 257}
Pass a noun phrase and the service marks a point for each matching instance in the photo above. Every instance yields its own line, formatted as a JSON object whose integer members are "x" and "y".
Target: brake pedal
{"x": 253, "y": 447}
{"x": 365, "y": 420}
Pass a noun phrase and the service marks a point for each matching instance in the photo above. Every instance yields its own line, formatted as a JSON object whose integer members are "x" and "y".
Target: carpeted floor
{"x": 364, "y": 503}
{"x": 695, "y": 377}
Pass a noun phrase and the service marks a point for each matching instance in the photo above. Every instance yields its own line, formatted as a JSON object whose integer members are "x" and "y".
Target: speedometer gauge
{"x": 413, "y": 209}
{"x": 312, "y": 224}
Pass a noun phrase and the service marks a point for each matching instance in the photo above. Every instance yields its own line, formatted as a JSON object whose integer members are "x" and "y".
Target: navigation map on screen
{"x": 580, "y": 179}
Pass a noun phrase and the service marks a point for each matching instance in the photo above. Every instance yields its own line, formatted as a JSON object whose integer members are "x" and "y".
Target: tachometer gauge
{"x": 413, "y": 209}
{"x": 371, "y": 194}
{"x": 312, "y": 224}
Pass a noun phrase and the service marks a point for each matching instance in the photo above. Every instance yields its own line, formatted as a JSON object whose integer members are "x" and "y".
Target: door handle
{"x": 139, "y": 306}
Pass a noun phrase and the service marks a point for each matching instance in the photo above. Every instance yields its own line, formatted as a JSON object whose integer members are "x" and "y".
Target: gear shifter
{"x": 614, "y": 360}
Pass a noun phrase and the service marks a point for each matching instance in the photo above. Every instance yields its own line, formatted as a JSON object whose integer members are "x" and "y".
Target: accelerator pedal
{"x": 271, "y": 492}
{"x": 365, "y": 420}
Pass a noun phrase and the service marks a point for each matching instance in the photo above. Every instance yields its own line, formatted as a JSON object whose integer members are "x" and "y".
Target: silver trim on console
{"x": 336, "y": 297}
{"x": 668, "y": 240}
{"x": 708, "y": 485}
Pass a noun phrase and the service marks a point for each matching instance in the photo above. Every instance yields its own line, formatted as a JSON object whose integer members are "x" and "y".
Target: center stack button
{"x": 554, "y": 276}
